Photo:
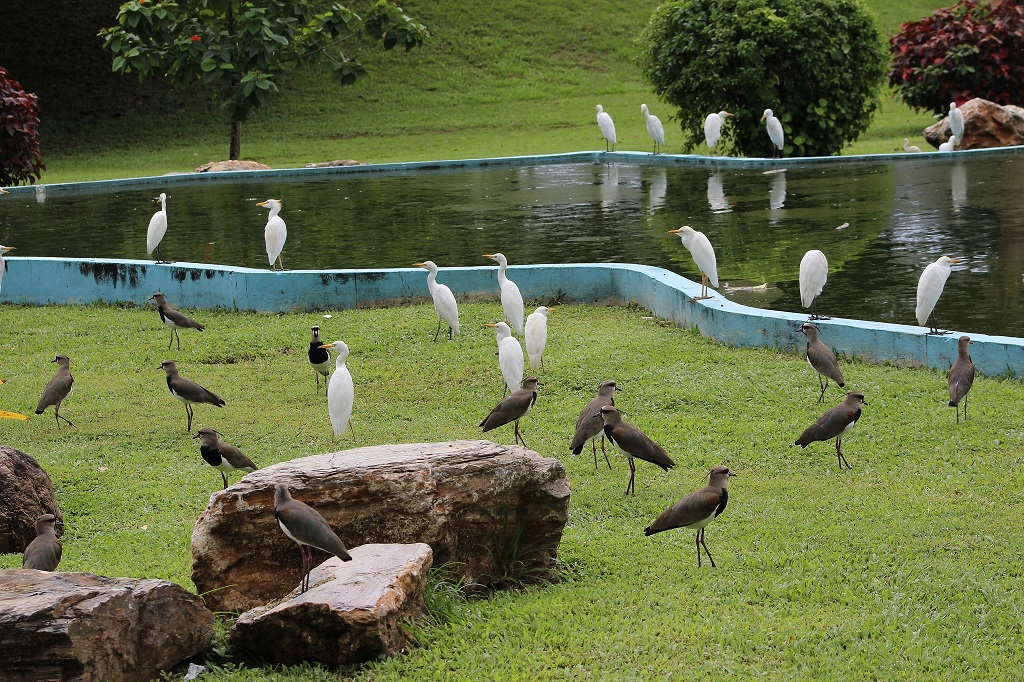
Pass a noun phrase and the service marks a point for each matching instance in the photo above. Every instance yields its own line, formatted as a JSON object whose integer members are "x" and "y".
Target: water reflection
{"x": 717, "y": 200}
{"x": 958, "y": 186}
{"x": 658, "y": 188}
{"x": 778, "y": 191}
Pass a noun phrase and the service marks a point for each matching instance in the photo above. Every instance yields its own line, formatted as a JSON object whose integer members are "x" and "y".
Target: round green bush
{"x": 818, "y": 64}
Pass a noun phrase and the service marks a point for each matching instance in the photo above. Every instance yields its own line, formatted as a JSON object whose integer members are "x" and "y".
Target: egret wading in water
{"x": 510, "y": 356}
{"x": 813, "y": 275}
{"x": 3, "y": 263}
{"x": 775, "y": 132}
{"x": 340, "y": 391}
{"x": 713, "y": 128}
{"x": 511, "y": 299}
{"x": 607, "y": 126}
{"x": 157, "y": 229}
{"x": 444, "y": 301}
{"x": 654, "y": 128}
{"x": 537, "y": 335}
{"x": 929, "y": 288}
{"x": 956, "y": 123}
{"x": 275, "y": 232}
{"x": 703, "y": 255}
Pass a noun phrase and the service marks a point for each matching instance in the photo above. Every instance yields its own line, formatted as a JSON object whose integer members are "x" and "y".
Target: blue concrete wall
{"x": 39, "y": 281}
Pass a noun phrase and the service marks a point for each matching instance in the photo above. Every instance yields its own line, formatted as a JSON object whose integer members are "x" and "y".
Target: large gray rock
{"x": 486, "y": 510}
{"x": 986, "y": 125}
{"x": 80, "y": 626}
{"x": 25, "y": 494}
{"x": 353, "y": 612}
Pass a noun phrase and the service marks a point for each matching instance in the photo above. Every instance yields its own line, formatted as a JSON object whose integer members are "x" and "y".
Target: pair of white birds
{"x": 607, "y": 126}
{"x": 275, "y": 233}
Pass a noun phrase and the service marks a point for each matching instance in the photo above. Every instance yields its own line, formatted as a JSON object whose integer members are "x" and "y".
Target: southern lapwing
{"x": 220, "y": 455}
{"x": 173, "y": 319}
{"x": 445, "y": 306}
{"x": 697, "y": 509}
{"x": 961, "y": 376}
{"x": 308, "y": 528}
{"x": 632, "y": 442}
{"x": 537, "y": 335}
{"x": 589, "y": 426}
{"x": 340, "y": 391}
{"x": 513, "y": 408}
{"x": 511, "y": 299}
{"x": 510, "y": 357}
{"x": 703, "y": 253}
{"x": 929, "y": 288}
{"x": 820, "y": 357}
{"x": 57, "y": 389}
{"x": 834, "y": 423}
{"x": 43, "y": 553}
{"x": 319, "y": 358}
{"x": 188, "y": 391}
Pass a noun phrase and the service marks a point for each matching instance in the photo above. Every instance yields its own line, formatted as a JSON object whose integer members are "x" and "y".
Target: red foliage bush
{"x": 958, "y": 53}
{"x": 20, "y": 157}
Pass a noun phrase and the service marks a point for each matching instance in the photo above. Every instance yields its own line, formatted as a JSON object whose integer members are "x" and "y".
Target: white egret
{"x": 607, "y": 126}
{"x": 511, "y": 299}
{"x": 929, "y": 288}
{"x": 275, "y": 232}
{"x": 444, "y": 301}
{"x": 956, "y": 123}
{"x": 340, "y": 392}
{"x": 948, "y": 146}
{"x": 775, "y": 132}
{"x": 537, "y": 335}
{"x": 713, "y": 128}
{"x": 510, "y": 356}
{"x": 703, "y": 255}
{"x": 911, "y": 148}
{"x": 3, "y": 263}
{"x": 813, "y": 275}
{"x": 157, "y": 229}
{"x": 654, "y": 128}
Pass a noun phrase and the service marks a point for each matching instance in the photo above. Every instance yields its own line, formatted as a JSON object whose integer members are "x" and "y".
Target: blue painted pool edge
{"x": 43, "y": 281}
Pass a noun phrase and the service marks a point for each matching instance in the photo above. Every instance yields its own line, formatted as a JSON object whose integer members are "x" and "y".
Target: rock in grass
{"x": 490, "y": 512}
{"x": 986, "y": 125}
{"x": 25, "y": 494}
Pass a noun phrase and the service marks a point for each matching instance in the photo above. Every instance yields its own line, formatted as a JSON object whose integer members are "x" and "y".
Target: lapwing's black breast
{"x": 318, "y": 354}
{"x": 211, "y": 455}
{"x": 724, "y": 501}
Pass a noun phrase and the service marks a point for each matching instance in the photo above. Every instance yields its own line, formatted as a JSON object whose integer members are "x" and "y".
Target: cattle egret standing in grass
{"x": 713, "y": 128}
{"x": 444, "y": 301}
{"x": 956, "y": 123}
{"x": 654, "y": 128}
{"x": 607, "y": 126}
{"x": 929, "y": 288}
{"x": 703, "y": 255}
{"x": 910, "y": 148}
{"x": 3, "y": 263}
{"x": 537, "y": 335}
{"x": 813, "y": 275}
{"x": 510, "y": 356}
{"x": 275, "y": 232}
{"x": 775, "y": 132}
{"x": 157, "y": 228}
{"x": 511, "y": 299}
{"x": 340, "y": 392}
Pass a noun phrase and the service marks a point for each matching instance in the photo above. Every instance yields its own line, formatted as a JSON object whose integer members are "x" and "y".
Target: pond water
{"x": 899, "y": 214}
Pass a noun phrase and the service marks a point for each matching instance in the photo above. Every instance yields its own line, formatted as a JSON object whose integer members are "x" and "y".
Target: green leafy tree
{"x": 243, "y": 49}
{"x": 818, "y": 64}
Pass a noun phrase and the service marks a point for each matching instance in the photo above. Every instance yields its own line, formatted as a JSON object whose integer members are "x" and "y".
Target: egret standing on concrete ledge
{"x": 444, "y": 301}
{"x": 340, "y": 392}
{"x": 275, "y": 232}
{"x": 607, "y": 126}
{"x": 813, "y": 275}
{"x": 511, "y": 299}
{"x": 929, "y": 288}
{"x": 157, "y": 229}
{"x": 775, "y": 132}
{"x": 703, "y": 255}
{"x": 654, "y": 128}
{"x": 713, "y": 128}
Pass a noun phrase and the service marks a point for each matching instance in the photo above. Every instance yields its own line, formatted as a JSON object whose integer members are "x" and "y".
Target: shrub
{"x": 21, "y": 160}
{"x": 958, "y": 53}
{"x": 818, "y": 64}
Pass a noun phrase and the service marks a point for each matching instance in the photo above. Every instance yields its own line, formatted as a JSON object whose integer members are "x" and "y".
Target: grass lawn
{"x": 908, "y": 566}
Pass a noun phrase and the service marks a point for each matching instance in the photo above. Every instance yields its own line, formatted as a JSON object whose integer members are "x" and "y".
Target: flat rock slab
{"x": 484, "y": 509}
{"x": 353, "y": 611}
{"x": 81, "y": 626}
{"x": 25, "y": 494}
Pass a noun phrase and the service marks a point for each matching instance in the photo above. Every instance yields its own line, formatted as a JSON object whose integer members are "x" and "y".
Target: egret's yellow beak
{"x": 418, "y": 265}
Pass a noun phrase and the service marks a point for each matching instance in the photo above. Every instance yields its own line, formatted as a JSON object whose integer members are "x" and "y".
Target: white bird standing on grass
{"x": 510, "y": 356}
{"x": 956, "y": 123}
{"x": 775, "y": 132}
{"x": 607, "y": 126}
{"x": 511, "y": 299}
{"x": 275, "y": 232}
{"x": 703, "y": 255}
{"x": 813, "y": 275}
{"x": 537, "y": 335}
{"x": 157, "y": 229}
{"x": 654, "y": 128}
{"x": 444, "y": 301}
{"x": 929, "y": 288}
{"x": 340, "y": 391}
{"x": 910, "y": 148}
{"x": 3, "y": 263}
{"x": 713, "y": 128}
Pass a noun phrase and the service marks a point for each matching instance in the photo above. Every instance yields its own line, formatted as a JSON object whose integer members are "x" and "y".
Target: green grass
{"x": 495, "y": 79}
{"x": 908, "y": 566}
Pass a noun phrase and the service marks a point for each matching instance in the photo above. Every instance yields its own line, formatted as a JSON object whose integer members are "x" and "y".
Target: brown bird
{"x": 308, "y": 528}
{"x": 57, "y": 389}
{"x": 821, "y": 359}
{"x": 587, "y": 425}
{"x": 173, "y": 319}
{"x": 220, "y": 455}
{"x": 513, "y": 408}
{"x": 632, "y": 442}
{"x": 834, "y": 423}
{"x": 961, "y": 376}
{"x": 43, "y": 553}
{"x": 697, "y": 509}
{"x": 188, "y": 391}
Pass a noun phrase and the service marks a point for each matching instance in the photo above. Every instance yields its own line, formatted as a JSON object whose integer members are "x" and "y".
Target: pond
{"x": 879, "y": 222}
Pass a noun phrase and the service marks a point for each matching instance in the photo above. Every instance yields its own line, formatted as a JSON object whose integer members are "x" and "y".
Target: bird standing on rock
{"x": 44, "y": 552}
{"x": 513, "y": 408}
{"x": 588, "y": 424}
{"x": 834, "y": 423}
{"x": 821, "y": 358}
{"x": 220, "y": 455}
{"x": 173, "y": 319}
{"x": 307, "y": 527}
{"x": 632, "y": 442}
{"x": 57, "y": 389}
{"x": 188, "y": 391}
{"x": 319, "y": 358}
{"x": 697, "y": 509}
{"x": 961, "y": 376}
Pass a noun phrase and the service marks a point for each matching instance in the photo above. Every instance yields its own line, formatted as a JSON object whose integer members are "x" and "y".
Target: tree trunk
{"x": 236, "y": 141}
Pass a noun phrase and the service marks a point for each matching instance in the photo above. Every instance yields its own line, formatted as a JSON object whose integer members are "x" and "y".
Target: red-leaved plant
{"x": 21, "y": 160}
{"x": 958, "y": 53}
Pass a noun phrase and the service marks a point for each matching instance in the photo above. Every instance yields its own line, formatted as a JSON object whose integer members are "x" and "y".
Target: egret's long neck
{"x": 431, "y": 279}
{"x": 501, "y": 272}
{"x": 274, "y": 210}
{"x": 163, "y": 204}
{"x": 339, "y": 362}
